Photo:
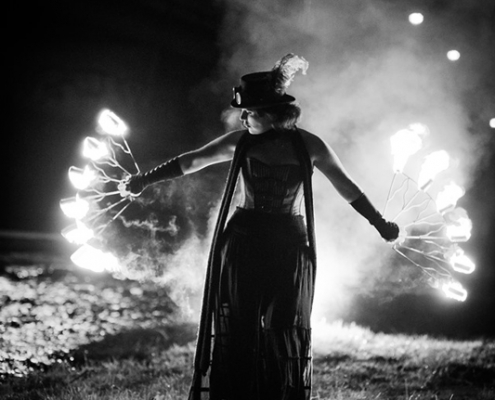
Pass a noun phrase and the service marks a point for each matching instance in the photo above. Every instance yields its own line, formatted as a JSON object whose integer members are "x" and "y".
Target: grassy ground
{"x": 72, "y": 335}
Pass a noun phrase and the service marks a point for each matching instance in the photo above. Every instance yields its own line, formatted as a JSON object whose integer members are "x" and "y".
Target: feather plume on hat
{"x": 285, "y": 69}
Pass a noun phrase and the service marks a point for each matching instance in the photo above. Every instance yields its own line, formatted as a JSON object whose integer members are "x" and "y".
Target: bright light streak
{"x": 77, "y": 233}
{"x": 94, "y": 149}
{"x": 74, "y": 207}
{"x": 454, "y": 290}
{"x": 81, "y": 178}
{"x": 405, "y": 143}
{"x": 453, "y": 55}
{"x": 109, "y": 123}
{"x": 416, "y": 18}
{"x": 447, "y": 198}
{"x": 94, "y": 259}
{"x": 492, "y": 123}
{"x": 434, "y": 163}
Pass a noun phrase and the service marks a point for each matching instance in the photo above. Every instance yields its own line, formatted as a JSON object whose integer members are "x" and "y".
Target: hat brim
{"x": 284, "y": 99}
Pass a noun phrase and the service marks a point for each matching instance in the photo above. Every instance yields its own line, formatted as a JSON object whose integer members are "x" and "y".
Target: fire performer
{"x": 254, "y": 339}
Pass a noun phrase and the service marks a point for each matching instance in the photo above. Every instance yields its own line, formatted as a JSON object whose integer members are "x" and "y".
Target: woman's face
{"x": 255, "y": 123}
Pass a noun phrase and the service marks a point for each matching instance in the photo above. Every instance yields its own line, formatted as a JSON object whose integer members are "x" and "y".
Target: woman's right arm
{"x": 217, "y": 151}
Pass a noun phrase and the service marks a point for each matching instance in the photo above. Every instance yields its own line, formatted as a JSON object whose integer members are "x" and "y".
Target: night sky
{"x": 167, "y": 68}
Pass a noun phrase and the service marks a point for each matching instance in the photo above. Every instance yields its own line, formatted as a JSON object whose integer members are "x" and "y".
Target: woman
{"x": 260, "y": 278}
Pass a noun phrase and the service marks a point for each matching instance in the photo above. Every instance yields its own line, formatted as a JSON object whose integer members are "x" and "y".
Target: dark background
{"x": 158, "y": 64}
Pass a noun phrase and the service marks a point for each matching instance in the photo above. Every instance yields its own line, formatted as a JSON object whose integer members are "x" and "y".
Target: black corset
{"x": 272, "y": 188}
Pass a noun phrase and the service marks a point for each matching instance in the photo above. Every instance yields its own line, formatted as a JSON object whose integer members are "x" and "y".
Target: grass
{"x": 67, "y": 336}
{"x": 356, "y": 364}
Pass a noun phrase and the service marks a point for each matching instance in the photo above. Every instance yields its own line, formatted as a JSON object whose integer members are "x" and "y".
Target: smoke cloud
{"x": 370, "y": 74}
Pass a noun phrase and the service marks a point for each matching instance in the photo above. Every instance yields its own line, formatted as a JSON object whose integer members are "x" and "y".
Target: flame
{"x": 454, "y": 290}
{"x": 94, "y": 149}
{"x": 459, "y": 261}
{"x": 458, "y": 225}
{"x": 94, "y": 259}
{"x": 447, "y": 198}
{"x": 77, "y": 233}
{"x": 109, "y": 123}
{"x": 434, "y": 163}
{"x": 81, "y": 178}
{"x": 74, "y": 207}
{"x": 405, "y": 143}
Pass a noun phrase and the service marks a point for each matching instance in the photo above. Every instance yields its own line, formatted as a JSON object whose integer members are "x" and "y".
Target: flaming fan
{"x": 431, "y": 228}
{"x": 99, "y": 199}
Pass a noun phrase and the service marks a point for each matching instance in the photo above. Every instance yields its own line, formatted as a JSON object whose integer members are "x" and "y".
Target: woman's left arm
{"x": 327, "y": 161}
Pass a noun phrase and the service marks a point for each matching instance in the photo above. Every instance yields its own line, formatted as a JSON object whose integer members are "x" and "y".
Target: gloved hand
{"x": 132, "y": 186}
{"x": 135, "y": 184}
{"x": 388, "y": 230}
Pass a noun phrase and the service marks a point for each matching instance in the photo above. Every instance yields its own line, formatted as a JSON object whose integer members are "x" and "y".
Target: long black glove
{"x": 168, "y": 170}
{"x": 387, "y": 229}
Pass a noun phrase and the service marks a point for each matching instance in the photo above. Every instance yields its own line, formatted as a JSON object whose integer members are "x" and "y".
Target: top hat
{"x": 257, "y": 90}
{"x": 267, "y": 88}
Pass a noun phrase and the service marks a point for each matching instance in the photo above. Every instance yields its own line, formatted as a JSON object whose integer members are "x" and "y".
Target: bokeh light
{"x": 416, "y": 18}
{"x": 453, "y": 55}
{"x": 492, "y": 123}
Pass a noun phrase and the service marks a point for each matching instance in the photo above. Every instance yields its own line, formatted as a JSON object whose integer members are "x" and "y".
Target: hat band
{"x": 240, "y": 96}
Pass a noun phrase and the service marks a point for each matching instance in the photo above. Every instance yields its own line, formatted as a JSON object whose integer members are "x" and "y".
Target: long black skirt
{"x": 262, "y": 339}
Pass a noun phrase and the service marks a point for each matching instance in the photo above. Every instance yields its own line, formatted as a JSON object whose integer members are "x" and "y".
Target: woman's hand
{"x": 388, "y": 230}
{"x": 133, "y": 185}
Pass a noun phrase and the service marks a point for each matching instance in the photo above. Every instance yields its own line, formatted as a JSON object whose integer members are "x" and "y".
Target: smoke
{"x": 370, "y": 74}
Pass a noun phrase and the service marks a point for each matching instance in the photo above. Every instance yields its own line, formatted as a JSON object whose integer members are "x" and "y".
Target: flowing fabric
{"x": 257, "y": 300}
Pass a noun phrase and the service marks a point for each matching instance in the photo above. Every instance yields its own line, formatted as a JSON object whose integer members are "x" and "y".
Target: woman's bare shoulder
{"x": 314, "y": 143}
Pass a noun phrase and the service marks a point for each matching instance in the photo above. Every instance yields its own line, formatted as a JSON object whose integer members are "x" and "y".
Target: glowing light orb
{"x": 447, "y": 198}
{"x": 89, "y": 257}
{"x": 492, "y": 123}
{"x": 454, "y": 290}
{"x": 81, "y": 178}
{"x": 77, "y": 233}
{"x": 405, "y": 143}
{"x": 416, "y": 18}
{"x": 434, "y": 163}
{"x": 109, "y": 123}
{"x": 453, "y": 55}
{"x": 94, "y": 149}
{"x": 74, "y": 207}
